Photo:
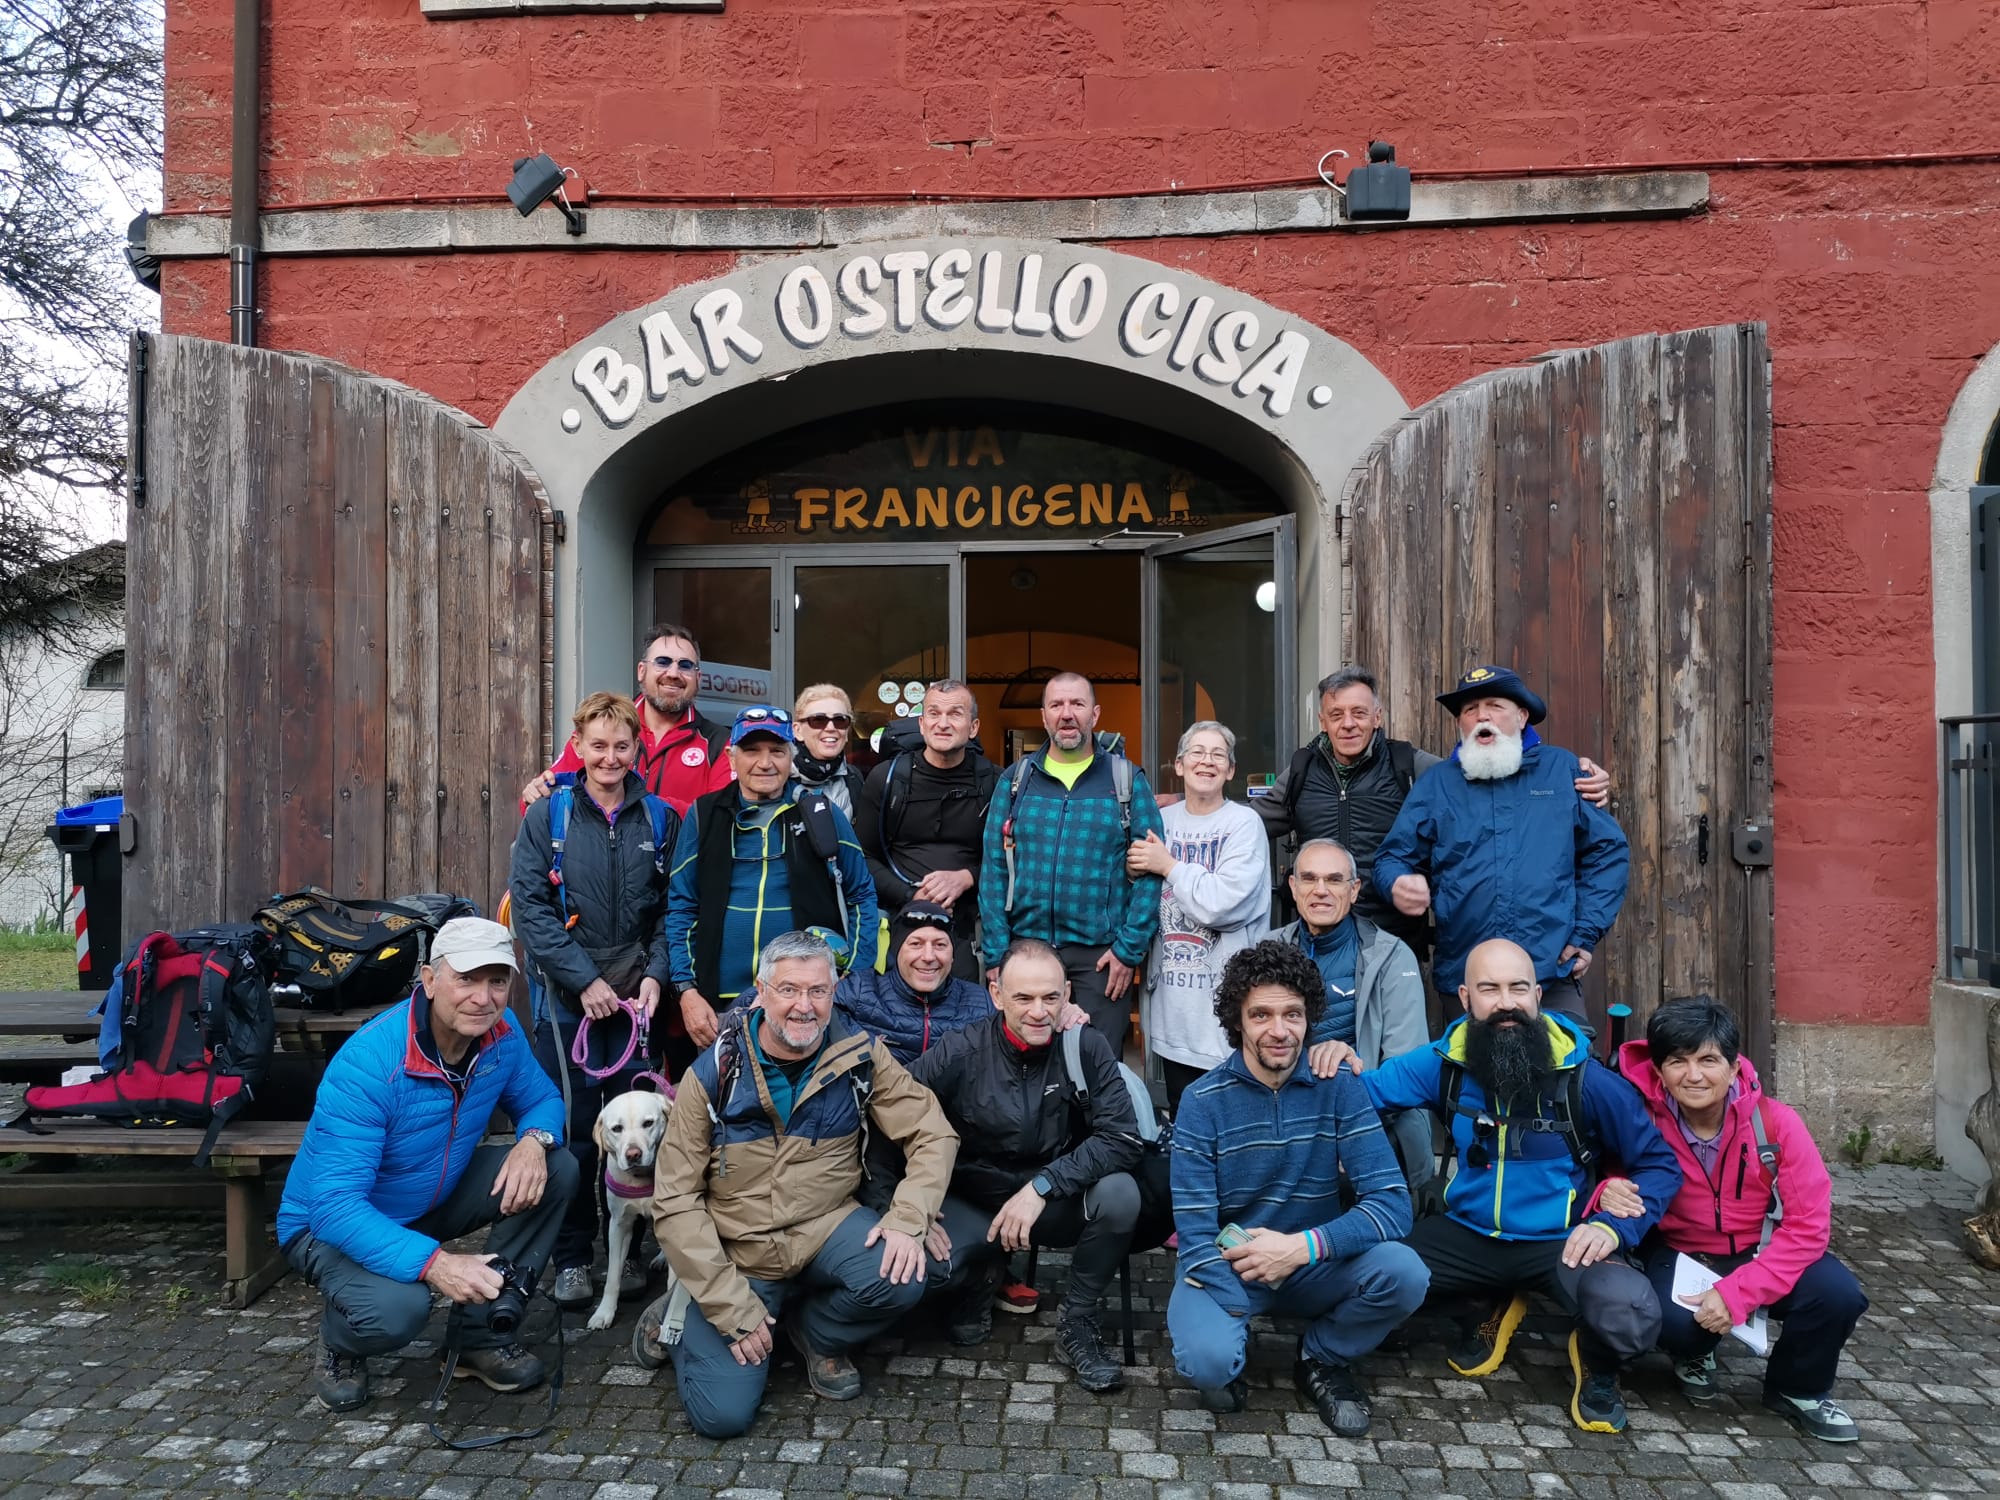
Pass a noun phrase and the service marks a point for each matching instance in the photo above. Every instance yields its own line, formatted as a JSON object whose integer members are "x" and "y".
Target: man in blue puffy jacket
{"x": 1531, "y": 1114}
{"x": 919, "y": 1002}
{"x": 1498, "y": 842}
{"x": 392, "y": 1167}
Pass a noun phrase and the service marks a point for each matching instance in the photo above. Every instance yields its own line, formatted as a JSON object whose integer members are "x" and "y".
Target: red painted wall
{"x": 1879, "y": 284}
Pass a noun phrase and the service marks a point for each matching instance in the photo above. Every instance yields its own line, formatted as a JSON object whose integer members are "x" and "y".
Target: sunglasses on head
{"x": 821, "y": 721}
{"x": 926, "y": 919}
{"x": 665, "y": 662}
{"x": 764, "y": 716}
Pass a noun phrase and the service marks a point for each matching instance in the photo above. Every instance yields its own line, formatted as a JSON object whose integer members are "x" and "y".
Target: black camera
{"x": 505, "y": 1311}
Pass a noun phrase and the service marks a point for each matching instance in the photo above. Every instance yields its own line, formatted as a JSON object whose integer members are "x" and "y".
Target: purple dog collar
{"x": 618, "y": 1189}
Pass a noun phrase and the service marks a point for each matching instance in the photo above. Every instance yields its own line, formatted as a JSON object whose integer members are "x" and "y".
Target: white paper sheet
{"x": 1692, "y": 1278}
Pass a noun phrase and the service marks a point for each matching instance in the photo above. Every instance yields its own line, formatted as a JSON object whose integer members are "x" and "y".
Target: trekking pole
{"x": 1620, "y": 1017}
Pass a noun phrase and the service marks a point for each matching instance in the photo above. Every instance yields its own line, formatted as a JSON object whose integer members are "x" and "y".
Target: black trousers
{"x": 1112, "y": 1019}
{"x": 1617, "y": 1315}
{"x": 1098, "y": 1222}
{"x": 1179, "y": 1076}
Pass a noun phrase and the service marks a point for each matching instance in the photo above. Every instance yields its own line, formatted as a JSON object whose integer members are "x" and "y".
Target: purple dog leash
{"x": 635, "y": 1043}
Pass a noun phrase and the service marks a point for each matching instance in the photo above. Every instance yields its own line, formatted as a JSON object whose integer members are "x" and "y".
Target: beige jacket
{"x": 753, "y": 1198}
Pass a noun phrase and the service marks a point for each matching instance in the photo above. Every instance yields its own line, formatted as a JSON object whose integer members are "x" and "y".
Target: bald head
{"x": 1499, "y": 976}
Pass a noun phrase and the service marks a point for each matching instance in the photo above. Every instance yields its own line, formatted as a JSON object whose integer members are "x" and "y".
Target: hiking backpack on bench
{"x": 195, "y": 1037}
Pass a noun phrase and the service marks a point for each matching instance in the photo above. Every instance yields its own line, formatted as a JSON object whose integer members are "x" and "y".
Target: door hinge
{"x": 1750, "y": 842}
{"x": 559, "y": 525}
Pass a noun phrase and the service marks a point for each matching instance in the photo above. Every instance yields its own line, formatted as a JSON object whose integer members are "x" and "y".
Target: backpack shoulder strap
{"x": 656, "y": 809}
{"x": 895, "y": 794}
{"x": 1121, "y": 787}
{"x": 1072, "y": 1054}
{"x": 1403, "y": 761}
{"x": 559, "y": 806}
{"x": 1569, "y": 1109}
{"x": 1769, "y": 1155}
{"x": 1295, "y": 776}
{"x": 817, "y": 812}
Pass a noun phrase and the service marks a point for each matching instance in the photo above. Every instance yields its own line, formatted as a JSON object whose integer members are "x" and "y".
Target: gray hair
{"x": 950, "y": 685}
{"x": 795, "y": 945}
{"x": 1351, "y": 675}
{"x": 1207, "y": 726}
{"x": 1309, "y": 845}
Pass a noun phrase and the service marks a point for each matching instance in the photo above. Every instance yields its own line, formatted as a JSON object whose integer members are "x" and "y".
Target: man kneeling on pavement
{"x": 1530, "y": 1115}
{"x": 391, "y": 1166}
{"x": 754, "y": 1202}
{"x": 1040, "y": 1162}
{"x": 1261, "y": 1146}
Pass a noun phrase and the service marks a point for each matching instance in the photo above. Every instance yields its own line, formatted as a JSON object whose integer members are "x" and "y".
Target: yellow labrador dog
{"x": 628, "y": 1132}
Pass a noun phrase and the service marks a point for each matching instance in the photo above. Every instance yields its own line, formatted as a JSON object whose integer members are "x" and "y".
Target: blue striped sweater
{"x": 1248, "y": 1154}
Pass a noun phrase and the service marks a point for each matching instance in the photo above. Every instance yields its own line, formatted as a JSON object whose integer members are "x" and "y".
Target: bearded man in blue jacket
{"x": 392, "y": 1167}
{"x": 1496, "y": 841}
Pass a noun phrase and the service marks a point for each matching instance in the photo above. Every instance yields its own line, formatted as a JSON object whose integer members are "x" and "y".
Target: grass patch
{"x": 39, "y": 968}
{"x": 15, "y": 939}
{"x": 95, "y": 1284}
{"x": 174, "y": 1296}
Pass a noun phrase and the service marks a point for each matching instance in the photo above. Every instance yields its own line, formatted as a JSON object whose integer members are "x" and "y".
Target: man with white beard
{"x": 1497, "y": 843}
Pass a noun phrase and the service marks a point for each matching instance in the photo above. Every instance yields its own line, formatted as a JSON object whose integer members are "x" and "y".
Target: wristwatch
{"x": 1041, "y": 1184}
{"x": 542, "y": 1138}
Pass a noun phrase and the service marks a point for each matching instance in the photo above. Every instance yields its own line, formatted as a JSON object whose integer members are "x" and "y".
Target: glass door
{"x": 879, "y": 631}
{"x": 1221, "y": 642}
{"x": 729, "y": 608}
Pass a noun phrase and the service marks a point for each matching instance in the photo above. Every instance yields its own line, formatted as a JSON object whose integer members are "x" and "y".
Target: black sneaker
{"x": 971, "y": 1318}
{"x": 341, "y": 1381}
{"x": 1080, "y": 1346}
{"x": 506, "y": 1368}
{"x": 1821, "y": 1417}
{"x": 1594, "y": 1403}
{"x": 1232, "y": 1398}
{"x": 1332, "y": 1388}
{"x": 1482, "y": 1347}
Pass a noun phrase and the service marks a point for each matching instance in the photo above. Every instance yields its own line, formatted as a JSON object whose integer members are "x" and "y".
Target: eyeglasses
{"x": 823, "y": 721}
{"x": 1332, "y": 882}
{"x": 787, "y": 993}
{"x": 1479, "y": 1155}
{"x": 664, "y": 662}
{"x": 1206, "y": 757}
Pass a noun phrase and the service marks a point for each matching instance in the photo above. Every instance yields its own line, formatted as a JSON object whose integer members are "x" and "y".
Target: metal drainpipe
{"x": 245, "y": 98}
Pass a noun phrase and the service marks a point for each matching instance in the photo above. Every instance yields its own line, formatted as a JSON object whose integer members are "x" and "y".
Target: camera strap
{"x": 494, "y": 1439}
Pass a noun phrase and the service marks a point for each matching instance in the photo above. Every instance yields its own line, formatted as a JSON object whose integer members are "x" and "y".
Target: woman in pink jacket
{"x": 1706, "y": 1101}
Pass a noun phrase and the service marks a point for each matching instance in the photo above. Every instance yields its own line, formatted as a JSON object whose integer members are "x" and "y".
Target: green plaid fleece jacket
{"x": 1070, "y": 884}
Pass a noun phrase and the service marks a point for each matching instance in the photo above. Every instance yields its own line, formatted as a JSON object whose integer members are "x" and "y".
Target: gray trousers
{"x": 370, "y": 1314}
{"x": 839, "y": 1302}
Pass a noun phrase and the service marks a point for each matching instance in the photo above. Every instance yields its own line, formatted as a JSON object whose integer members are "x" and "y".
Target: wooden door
{"x": 1601, "y": 522}
{"x": 337, "y": 620}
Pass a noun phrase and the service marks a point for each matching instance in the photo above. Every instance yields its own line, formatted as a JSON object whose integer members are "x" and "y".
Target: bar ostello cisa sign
{"x": 1000, "y": 296}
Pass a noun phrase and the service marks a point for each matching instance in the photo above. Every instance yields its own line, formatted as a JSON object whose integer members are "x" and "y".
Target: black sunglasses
{"x": 664, "y": 662}
{"x": 1479, "y": 1156}
{"x": 821, "y": 721}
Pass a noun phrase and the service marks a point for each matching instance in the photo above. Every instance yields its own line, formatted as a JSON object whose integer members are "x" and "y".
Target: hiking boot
{"x": 631, "y": 1280}
{"x": 1481, "y": 1348}
{"x": 647, "y": 1350}
{"x": 1820, "y": 1417}
{"x": 1018, "y": 1297}
{"x": 1332, "y": 1388}
{"x": 507, "y": 1368}
{"x": 832, "y": 1376}
{"x": 572, "y": 1288}
{"x": 341, "y": 1381}
{"x": 1080, "y": 1346}
{"x": 1594, "y": 1403}
{"x": 971, "y": 1318}
{"x": 1232, "y": 1398}
{"x": 1697, "y": 1378}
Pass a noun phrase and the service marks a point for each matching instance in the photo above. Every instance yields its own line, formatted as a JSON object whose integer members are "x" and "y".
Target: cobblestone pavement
{"x": 148, "y": 1386}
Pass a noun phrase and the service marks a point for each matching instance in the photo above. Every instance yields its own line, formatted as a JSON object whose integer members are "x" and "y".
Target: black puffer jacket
{"x": 611, "y": 881}
{"x": 1018, "y": 1114}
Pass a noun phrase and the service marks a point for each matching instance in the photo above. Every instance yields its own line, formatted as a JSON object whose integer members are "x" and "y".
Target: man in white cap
{"x": 392, "y": 1168}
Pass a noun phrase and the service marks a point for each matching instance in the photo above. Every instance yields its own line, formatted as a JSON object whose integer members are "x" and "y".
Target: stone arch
{"x": 716, "y": 365}
{"x": 1971, "y": 431}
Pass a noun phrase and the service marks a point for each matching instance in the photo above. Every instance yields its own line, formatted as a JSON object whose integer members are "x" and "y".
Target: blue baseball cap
{"x": 1494, "y": 682}
{"x": 761, "y": 718}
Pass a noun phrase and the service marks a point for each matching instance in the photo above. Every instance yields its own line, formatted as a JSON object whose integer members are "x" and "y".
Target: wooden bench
{"x": 239, "y": 1171}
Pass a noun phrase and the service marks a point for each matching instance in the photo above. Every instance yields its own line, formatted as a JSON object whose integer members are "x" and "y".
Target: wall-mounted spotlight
{"x": 145, "y": 265}
{"x": 537, "y": 179}
{"x": 1377, "y": 190}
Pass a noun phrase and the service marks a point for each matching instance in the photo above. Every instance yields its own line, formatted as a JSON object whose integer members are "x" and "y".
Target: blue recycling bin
{"x": 88, "y": 834}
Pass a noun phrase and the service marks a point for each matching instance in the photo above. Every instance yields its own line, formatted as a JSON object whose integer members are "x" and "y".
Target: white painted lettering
{"x": 1029, "y": 318}
{"x": 1276, "y": 372}
{"x": 1233, "y": 333}
{"x": 1192, "y": 327}
{"x": 611, "y": 384}
{"x": 858, "y": 278}
{"x": 906, "y": 266}
{"x": 950, "y": 301}
{"x": 993, "y": 315}
{"x": 1081, "y": 297}
{"x": 805, "y": 307}
{"x": 668, "y": 354}
{"x": 719, "y": 316}
{"x": 1160, "y": 299}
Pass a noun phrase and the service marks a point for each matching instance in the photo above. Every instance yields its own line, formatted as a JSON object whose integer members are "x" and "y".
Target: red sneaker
{"x": 1017, "y": 1297}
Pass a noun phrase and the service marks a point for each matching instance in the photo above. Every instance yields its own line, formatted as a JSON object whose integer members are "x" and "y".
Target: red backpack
{"x": 196, "y": 1037}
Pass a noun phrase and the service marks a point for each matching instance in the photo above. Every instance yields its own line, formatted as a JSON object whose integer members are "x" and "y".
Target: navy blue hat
{"x": 1494, "y": 682}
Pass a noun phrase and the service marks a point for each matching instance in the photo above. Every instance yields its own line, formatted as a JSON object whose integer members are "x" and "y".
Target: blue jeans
{"x": 839, "y": 1302}
{"x": 1819, "y": 1315}
{"x": 1352, "y": 1305}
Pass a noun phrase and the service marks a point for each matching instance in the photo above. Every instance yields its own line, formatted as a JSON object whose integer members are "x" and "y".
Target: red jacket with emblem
{"x": 686, "y": 762}
{"x": 1725, "y": 1215}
